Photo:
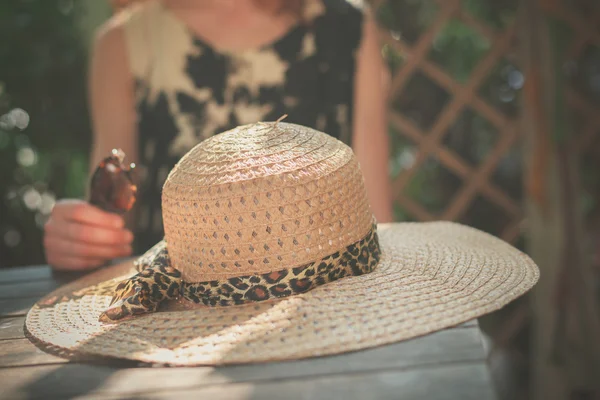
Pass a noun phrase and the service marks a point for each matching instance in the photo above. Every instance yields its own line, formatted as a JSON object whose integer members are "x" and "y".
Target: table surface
{"x": 448, "y": 364}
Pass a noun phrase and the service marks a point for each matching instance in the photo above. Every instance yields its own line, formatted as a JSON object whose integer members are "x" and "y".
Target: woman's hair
{"x": 293, "y": 7}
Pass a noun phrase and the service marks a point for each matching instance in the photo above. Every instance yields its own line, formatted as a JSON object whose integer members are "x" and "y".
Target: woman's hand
{"x": 79, "y": 236}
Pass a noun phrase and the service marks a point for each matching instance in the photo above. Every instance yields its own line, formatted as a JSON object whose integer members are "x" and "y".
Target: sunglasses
{"x": 112, "y": 186}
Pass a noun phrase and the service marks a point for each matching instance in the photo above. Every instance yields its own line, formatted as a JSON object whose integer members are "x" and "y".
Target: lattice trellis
{"x": 476, "y": 178}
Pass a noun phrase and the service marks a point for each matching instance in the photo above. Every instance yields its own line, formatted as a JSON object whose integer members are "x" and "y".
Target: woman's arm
{"x": 111, "y": 96}
{"x": 370, "y": 140}
{"x": 78, "y": 236}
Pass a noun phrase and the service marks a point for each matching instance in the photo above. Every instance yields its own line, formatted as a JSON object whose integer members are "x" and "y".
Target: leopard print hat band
{"x": 157, "y": 281}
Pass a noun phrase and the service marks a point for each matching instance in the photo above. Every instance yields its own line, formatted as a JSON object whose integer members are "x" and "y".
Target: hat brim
{"x": 431, "y": 276}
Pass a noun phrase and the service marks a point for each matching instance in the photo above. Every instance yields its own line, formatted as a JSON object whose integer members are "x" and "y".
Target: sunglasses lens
{"x": 112, "y": 186}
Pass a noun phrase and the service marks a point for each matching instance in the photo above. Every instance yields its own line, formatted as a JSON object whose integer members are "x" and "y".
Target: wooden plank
{"x": 25, "y": 274}
{"x": 469, "y": 380}
{"x": 20, "y": 352}
{"x": 468, "y": 324}
{"x": 27, "y": 289}
{"x": 45, "y": 272}
{"x": 460, "y": 344}
{"x": 16, "y": 307}
{"x": 466, "y": 382}
{"x": 442, "y": 346}
{"x": 12, "y": 328}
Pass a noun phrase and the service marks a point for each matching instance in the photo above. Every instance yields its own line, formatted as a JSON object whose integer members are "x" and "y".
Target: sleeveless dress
{"x": 187, "y": 91}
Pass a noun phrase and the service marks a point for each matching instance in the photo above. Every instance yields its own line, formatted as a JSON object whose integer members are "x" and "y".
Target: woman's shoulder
{"x": 127, "y": 33}
{"x": 133, "y": 17}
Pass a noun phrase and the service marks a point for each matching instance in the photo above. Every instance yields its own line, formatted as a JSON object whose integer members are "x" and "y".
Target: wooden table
{"x": 444, "y": 365}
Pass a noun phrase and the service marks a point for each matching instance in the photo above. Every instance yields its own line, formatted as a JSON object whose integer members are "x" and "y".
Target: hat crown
{"x": 260, "y": 198}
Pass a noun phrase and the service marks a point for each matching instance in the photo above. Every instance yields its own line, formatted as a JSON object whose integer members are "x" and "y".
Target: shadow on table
{"x": 67, "y": 381}
{"x": 100, "y": 376}
{"x": 117, "y": 378}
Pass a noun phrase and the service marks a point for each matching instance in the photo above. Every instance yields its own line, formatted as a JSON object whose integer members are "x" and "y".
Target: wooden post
{"x": 565, "y": 321}
{"x": 542, "y": 206}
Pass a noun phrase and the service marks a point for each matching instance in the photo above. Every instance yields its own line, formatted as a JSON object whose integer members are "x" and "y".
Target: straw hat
{"x": 271, "y": 252}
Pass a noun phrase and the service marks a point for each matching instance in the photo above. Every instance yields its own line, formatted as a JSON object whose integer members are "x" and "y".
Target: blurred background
{"x": 494, "y": 122}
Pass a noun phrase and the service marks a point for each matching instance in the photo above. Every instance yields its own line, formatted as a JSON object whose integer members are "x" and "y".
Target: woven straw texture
{"x": 260, "y": 198}
{"x": 270, "y": 196}
{"x": 432, "y": 276}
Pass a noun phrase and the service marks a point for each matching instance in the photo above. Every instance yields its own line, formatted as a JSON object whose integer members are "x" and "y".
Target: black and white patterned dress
{"x": 187, "y": 91}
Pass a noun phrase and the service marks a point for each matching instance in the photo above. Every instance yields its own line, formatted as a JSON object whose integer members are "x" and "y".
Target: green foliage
{"x": 467, "y": 46}
{"x": 42, "y": 71}
{"x": 496, "y": 14}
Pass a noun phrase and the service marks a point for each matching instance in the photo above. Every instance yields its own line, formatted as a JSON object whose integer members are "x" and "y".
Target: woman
{"x": 168, "y": 74}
